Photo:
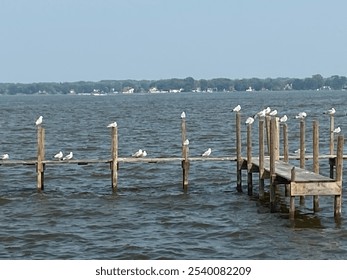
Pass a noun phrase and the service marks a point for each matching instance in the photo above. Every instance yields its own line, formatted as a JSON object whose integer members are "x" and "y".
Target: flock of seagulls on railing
{"x": 249, "y": 121}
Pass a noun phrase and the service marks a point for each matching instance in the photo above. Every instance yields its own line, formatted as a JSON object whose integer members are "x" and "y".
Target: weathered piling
{"x": 285, "y": 152}
{"x": 40, "y": 166}
{"x": 114, "y": 158}
{"x": 238, "y": 153}
{"x": 339, "y": 175}
{"x": 185, "y": 153}
{"x": 315, "y": 160}
{"x": 302, "y": 151}
{"x": 249, "y": 159}
{"x": 331, "y": 146}
{"x": 331, "y": 142}
{"x": 261, "y": 159}
{"x": 274, "y": 155}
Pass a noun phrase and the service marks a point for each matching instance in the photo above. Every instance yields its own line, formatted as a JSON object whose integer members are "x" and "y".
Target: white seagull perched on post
{"x": 283, "y": 119}
{"x": 207, "y": 153}
{"x": 183, "y": 115}
{"x": 114, "y": 124}
{"x": 273, "y": 113}
{"x": 5, "y": 156}
{"x": 237, "y": 108}
{"x": 301, "y": 115}
{"x": 69, "y": 156}
{"x": 337, "y": 130}
{"x": 186, "y": 142}
{"x": 39, "y": 121}
{"x": 249, "y": 120}
{"x": 331, "y": 111}
{"x": 59, "y": 155}
{"x": 138, "y": 153}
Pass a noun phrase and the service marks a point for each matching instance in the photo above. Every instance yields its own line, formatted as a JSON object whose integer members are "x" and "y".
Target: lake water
{"x": 78, "y": 216}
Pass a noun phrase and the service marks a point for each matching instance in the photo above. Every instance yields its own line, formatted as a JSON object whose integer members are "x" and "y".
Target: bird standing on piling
{"x": 207, "y": 153}
{"x": 183, "y": 115}
{"x": 273, "y": 113}
{"x": 331, "y": 111}
{"x": 283, "y": 119}
{"x": 39, "y": 121}
{"x": 249, "y": 120}
{"x": 301, "y": 115}
{"x": 237, "y": 108}
{"x": 337, "y": 130}
{"x": 114, "y": 124}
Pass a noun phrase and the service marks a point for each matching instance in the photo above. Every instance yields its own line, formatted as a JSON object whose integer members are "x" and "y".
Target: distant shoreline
{"x": 174, "y": 85}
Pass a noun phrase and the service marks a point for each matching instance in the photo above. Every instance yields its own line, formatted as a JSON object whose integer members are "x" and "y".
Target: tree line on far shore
{"x": 189, "y": 84}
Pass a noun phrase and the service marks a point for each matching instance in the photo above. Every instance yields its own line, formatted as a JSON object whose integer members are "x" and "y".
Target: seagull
{"x": 144, "y": 153}
{"x": 283, "y": 119}
{"x": 273, "y": 113}
{"x": 267, "y": 110}
{"x": 114, "y": 124}
{"x": 5, "y": 156}
{"x": 331, "y": 111}
{"x": 138, "y": 153}
{"x": 250, "y": 120}
{"x": 301, "y": 115}
{"x": 263, "y": 112}
{"x": 39, "y": 121}
{"x": 59, "y": 155}
{"x": 183, "y": 115}
{"x": 337, "y": 130}
{"x": 207, "y": 153}
{"x": 69, "y": 156}
{"x": 186, "y": 143}
{"x": 237, "y": 108}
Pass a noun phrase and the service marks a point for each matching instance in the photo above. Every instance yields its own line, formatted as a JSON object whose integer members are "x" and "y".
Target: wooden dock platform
{"x": 298, "y": 180}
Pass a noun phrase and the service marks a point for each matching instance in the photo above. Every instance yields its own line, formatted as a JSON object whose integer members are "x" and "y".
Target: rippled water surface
{"x": 78, "y": 216}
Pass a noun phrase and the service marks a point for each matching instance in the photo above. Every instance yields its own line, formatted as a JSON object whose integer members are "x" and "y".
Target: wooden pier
{"x": 298, "y": 181}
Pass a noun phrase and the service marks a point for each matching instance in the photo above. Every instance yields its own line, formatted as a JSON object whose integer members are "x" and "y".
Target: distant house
{"x": 128, "y": 90}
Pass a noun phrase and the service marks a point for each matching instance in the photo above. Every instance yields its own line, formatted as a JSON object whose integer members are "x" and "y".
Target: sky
{"x": 93, "y": 40}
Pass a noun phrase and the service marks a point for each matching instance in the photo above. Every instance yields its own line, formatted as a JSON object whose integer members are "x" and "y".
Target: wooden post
{"x": 286, "y": 153}
{"x": 114, "y": 155}
{"x": 315, "y": 160}
{"x": 292, "y": 198}
{"x": 273, "y": 137}
{"x": 40, "y": 168}
{"x": 238, "y": 152}
{"x": 339, "y": 175}
{"x": 268, "y": 129}
{"x": 185, "y": 152}
{"x": 185, "y": 166}
{"x": 285, "y": 143}
{"x": 302, "y": 152}
{"x": 183, "y": 131}
{"x": 249, "y": 160}
{"x": 261, "y": 159}
{"x": 331, "y": 147}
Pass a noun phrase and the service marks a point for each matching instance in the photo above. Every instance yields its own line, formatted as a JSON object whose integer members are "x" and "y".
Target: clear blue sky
{"x": 92, "y": 40}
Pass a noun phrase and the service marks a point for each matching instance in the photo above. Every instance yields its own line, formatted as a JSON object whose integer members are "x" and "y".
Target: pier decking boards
{"x": 273, "y": 166}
